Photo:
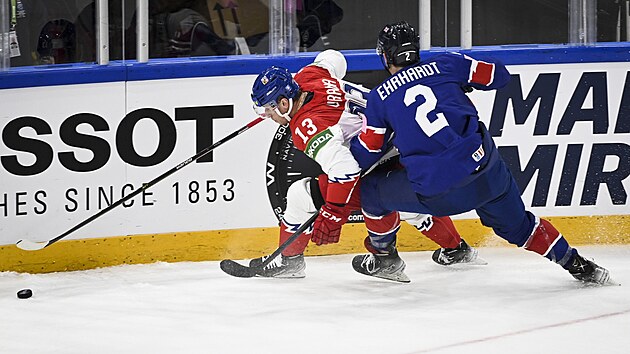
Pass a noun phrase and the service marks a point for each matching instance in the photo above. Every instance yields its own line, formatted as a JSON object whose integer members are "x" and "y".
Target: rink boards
{"x": 564, "y": 129}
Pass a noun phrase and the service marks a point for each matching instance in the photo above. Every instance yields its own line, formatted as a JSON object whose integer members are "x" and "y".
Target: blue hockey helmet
{"x": 271, "y": 84}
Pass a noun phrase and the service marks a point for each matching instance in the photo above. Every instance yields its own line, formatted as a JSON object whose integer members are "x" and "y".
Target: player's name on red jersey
{"x": 334, "y": 95}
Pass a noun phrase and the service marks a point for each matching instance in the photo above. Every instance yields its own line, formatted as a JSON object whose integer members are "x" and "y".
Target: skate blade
{"x": 606, "y": 282}
{"x": 398, "y": 277}
{"x": 610, "y": 282}
{"x": 475, "y": 262}
{"x": 297, "y": 275}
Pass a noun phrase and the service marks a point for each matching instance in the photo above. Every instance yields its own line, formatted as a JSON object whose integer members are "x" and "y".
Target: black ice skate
{"x": 383, "y": 265}
{"x": 460, "y": 254}
{"x": 588, "y": 272}
{"x": 281, "y": 266}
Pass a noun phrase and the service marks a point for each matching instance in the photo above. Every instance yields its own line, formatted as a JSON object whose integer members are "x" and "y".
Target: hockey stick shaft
{"x": 33, "y": 246}
{"x": 238, "y": 270}
{"x": 290, "y": 240}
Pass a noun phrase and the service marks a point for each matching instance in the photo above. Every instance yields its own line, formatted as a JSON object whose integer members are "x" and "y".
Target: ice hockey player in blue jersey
{"x": 451, "y": 164}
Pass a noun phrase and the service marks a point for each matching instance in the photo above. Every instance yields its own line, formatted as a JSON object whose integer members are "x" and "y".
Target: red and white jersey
{"x": 324, "y": 125}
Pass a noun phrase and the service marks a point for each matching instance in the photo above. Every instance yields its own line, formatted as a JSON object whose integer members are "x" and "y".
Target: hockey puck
{"x": 25, "y": 293}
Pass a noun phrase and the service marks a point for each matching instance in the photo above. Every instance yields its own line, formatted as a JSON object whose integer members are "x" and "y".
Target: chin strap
{"x": 286, "y": 115}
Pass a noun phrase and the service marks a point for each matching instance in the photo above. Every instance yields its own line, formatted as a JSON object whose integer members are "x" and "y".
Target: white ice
{"x": 518, "y": 303}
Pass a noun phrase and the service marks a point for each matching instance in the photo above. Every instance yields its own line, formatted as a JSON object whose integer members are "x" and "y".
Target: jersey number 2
{"x": 423, "y": 110}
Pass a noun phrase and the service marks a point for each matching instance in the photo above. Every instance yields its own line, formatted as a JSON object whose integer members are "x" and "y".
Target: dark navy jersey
{"x": 435, "y": 124}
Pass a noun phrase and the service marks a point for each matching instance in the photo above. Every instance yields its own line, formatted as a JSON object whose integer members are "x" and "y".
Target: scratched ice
{"x": 519, "y": 303}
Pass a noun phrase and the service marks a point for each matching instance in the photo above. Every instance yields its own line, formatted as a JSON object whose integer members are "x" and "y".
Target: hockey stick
{"x": 238, "y": 270}
{"x": 28, "y": 245}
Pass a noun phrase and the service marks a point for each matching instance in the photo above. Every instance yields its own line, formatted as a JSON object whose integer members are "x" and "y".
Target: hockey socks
{"x": 441, "y": 231}
{"x": 299, "y": 245}
{"x": 381, "y": 231}
{"x": 548, "y": 242}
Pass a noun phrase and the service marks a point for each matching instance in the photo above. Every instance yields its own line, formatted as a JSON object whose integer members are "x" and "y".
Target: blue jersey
{"x": 435, "y": 124}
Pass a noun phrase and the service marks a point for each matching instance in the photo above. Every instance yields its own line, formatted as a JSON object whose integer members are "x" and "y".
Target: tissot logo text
{"x": 35, "y": 142}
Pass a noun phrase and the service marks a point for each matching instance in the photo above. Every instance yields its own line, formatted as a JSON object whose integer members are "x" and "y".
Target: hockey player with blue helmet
{"x": 271, "y": 85}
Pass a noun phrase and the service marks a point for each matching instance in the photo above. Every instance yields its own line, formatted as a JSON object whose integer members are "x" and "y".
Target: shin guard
{"x": 299, "y": 245}
{"x": 438, "y": 229}
{"x": 549, "y": 242}
{"x": 300, "y": 207}
{"x": 381, "y": 231}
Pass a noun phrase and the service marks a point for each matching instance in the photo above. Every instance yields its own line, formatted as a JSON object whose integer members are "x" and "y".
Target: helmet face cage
{"x": 272, "y": 84}
{"x": 398, "y": 44}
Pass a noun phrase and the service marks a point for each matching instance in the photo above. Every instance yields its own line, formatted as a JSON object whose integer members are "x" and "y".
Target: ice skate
{"x": 588, "y": 272}
{"x": 386, "y": 265}
{"x": 281, "y": 266}
{"x": 462, "y": 254}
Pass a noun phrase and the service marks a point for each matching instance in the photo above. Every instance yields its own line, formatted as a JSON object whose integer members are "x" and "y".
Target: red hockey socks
{"x": 299, "y": 245}
{"x": 381, "y": 231}
{"x": 549, "y": 242}
{"x": 441, "y": 231}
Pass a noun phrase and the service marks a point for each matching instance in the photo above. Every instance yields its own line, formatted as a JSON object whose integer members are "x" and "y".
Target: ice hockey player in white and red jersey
{"x": 321, "y": 110}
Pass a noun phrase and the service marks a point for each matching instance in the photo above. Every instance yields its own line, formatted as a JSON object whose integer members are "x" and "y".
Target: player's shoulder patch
{"x": 318, "y": 141}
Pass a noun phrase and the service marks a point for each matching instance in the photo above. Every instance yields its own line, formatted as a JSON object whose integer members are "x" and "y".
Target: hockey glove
{"x": 327, "y": 226}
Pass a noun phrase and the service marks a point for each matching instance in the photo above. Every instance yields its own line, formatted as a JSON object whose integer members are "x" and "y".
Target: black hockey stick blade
{"x": 238, "y": 270}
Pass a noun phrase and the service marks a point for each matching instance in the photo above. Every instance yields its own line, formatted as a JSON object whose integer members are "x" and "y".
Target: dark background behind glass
{"x": 322, "y": 24}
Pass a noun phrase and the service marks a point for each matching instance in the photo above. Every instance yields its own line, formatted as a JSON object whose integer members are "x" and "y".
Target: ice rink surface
{"x": 518, "y": 303}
